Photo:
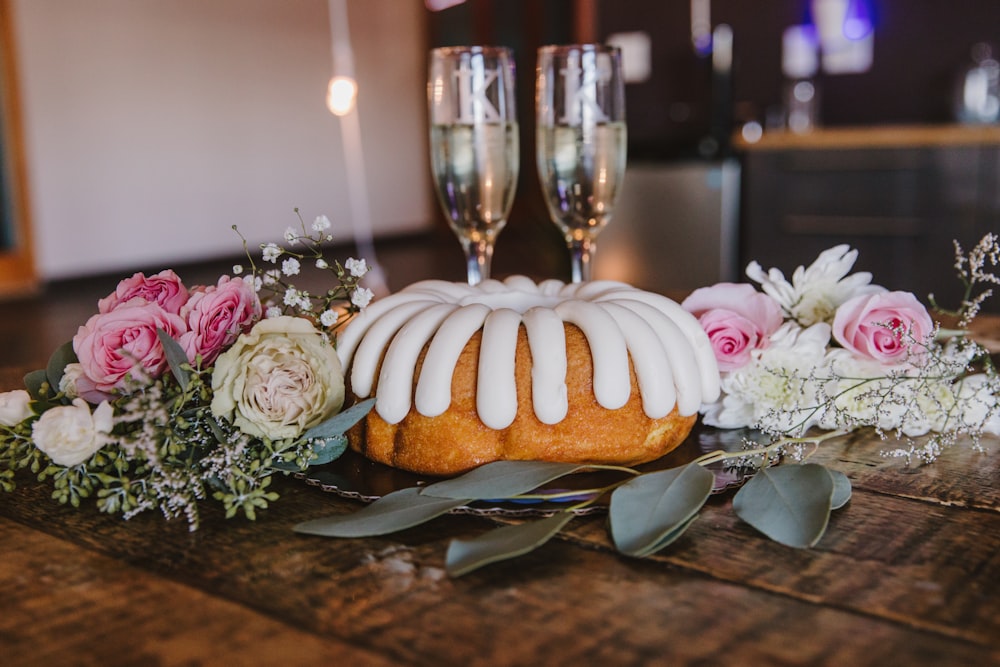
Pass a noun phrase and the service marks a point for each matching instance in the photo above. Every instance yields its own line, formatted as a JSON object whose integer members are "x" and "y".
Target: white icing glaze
{"x": 671, "y": 355}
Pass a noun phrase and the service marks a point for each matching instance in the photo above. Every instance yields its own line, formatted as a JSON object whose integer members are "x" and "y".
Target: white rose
{"x": 70, "y": 434}
{"x": 278, "y": 380}
{"x": 68, "y": 383}
{"x": 15, "y": 407}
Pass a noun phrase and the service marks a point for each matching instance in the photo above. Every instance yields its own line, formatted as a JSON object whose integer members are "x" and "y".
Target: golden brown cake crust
{"x": 457, "y": 440}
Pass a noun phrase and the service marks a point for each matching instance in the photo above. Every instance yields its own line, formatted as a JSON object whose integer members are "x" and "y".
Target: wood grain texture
{"x": 907, "y": 573}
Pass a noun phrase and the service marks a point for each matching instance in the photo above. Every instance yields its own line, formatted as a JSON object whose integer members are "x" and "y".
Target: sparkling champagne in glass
{"x": 474, "y": 145}
{"x": 580, "y": 142}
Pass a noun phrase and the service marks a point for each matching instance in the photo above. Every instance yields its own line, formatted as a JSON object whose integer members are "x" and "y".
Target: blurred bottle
{"x": 799, "y": 63}
{"x": 977, "y": 90}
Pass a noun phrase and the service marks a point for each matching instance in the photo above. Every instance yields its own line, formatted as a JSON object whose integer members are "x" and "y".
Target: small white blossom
{"x": 328, "y": 318}
{"x": 290, "y": 235}
{"x": 290, "y": 266}
{"x": 237, "y": 269}
{"x": 271, "y": 252}
{"x": 271, "y": 277}
{"x": 272, "y": 312}
{"x": 357, "y": 267}
{"x": 291, "y": 297}
{"x": 321, "y": 223}
{"x": 15, "y": 407}
{"x": 322, "y": 264}
{"x": 362, "y": 296}
{"x": 258, "y": 283}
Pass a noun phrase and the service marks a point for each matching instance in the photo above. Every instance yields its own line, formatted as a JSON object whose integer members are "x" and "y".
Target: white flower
{"x": 68, "y": 383}
{"x": 816, "y": 292}
{"x": 979, "y": 403}
{"x": 271, "y": 277}
{"x": 290, "y": 235}
{"x": 237, "y": 269}
{"x": 15, "y": 407}
{"x": 71, "y": 434}
{"x": 778, "y": 390}
{"x": 321, "y": 223}
{"x": 271, "y": 252}
{"x": 361, "y": 297}
{"x": 258, "y": 283}
{"x": 278, "y": 380}
{"x": 357, "y": 267}
{"x": 328, "y": 318}
{"x": 272, "y": 312}
{"x": 290, "y": 266}
{"x": 322, "y": 264}
{"x": 291, "y": 297}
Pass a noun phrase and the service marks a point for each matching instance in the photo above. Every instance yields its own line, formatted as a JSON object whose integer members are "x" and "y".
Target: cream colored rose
{"x": 70, "y": 434}
{"x": 278, "y": 380}
{"x": 71, "y": 375}
{"x": 15, "y": 407}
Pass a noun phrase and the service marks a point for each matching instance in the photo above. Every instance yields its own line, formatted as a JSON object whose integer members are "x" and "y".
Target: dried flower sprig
{"x": 974, "y": 272}
{"x": 279, "y": 294}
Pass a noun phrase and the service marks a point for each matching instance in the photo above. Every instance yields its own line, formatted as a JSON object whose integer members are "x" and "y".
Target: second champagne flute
{"x": 474, "y": 145}
{"x": 581, "y": 141}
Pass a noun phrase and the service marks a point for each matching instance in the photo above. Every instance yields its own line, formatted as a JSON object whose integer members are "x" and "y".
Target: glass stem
{"x": 581, "y": 252}
{"x": 478, "y": 256}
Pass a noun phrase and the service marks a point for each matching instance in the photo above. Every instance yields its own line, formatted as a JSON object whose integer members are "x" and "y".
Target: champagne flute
{"x": 474, "y": 145}
{"x": 580, "y": 142}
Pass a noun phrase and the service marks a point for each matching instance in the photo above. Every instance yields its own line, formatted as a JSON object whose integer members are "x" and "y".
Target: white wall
{"x": 152, "y": 126}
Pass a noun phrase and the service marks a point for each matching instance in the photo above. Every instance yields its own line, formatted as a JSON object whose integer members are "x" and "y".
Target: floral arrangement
{"x": 833, "y": 351}
{"x": 802, "y": 361}
{"x": 170, "y": 395}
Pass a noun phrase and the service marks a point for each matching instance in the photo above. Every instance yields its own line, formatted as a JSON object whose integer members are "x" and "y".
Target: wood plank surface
{"x": 907, "y": 573}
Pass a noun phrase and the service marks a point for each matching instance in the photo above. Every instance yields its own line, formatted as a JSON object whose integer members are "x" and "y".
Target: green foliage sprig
{"x": 646, "y": 511}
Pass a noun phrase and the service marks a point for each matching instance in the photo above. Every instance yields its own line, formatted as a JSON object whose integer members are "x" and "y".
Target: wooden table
{"x": 908, "y": 573}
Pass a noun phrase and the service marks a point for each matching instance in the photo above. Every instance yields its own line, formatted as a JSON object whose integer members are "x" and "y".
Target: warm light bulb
{"x": 341, "y": 95}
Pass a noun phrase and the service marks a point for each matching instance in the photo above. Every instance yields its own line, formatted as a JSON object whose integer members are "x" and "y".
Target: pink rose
{"x": 165, "y": 288}
{"x": 121, "y": 347}
{"x": 737, "y": 318}
{"x": 216, "y": 315}
{"x": 882, "y": 326}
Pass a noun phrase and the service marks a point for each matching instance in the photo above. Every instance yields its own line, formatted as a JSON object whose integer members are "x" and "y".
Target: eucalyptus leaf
{"x": 34, "y": 383}
{"x": 841, "y": 489}
{"x": 328, "y": 449}
{"x": 502, "y": 479}
{"x": 788, "y": 503}
{"x": 646, "y": 509}
{"x": 340, "y": 422}
{"x": 667, "y": 539}
{"x": 390, "y": 513}
{"x": 464, "y": 556}
{"x": 62, "y": 357}
{"x": 176, "y": 358}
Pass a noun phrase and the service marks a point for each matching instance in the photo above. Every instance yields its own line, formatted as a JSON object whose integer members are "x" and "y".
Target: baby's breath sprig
{"x": 280, "y": 295}
{"x": 974, "y": 271}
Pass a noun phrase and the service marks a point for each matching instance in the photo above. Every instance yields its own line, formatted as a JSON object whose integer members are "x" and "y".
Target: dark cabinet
{"x": 900, "y": 203}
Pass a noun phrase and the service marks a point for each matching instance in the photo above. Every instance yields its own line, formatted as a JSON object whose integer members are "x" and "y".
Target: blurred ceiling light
{"x": 341, "y": 95}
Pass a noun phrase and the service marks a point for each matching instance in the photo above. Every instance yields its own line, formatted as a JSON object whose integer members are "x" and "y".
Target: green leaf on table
{"x": 667, "y": 539}
{"x": 841, "y": 489}
{"x": 35, "y": 382}
{"x": 788, "y": 503}
{"x": 502, "y": 479}
{"x": 508, "y": 542}
{"x": 56, "y": 368}
{"x": 176, "y": 358}
{"x": 646, "y": 510}
{"x": 390, "y": 513}
{"x": 328, "y": 449}
{"x": 341, "y": 422}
